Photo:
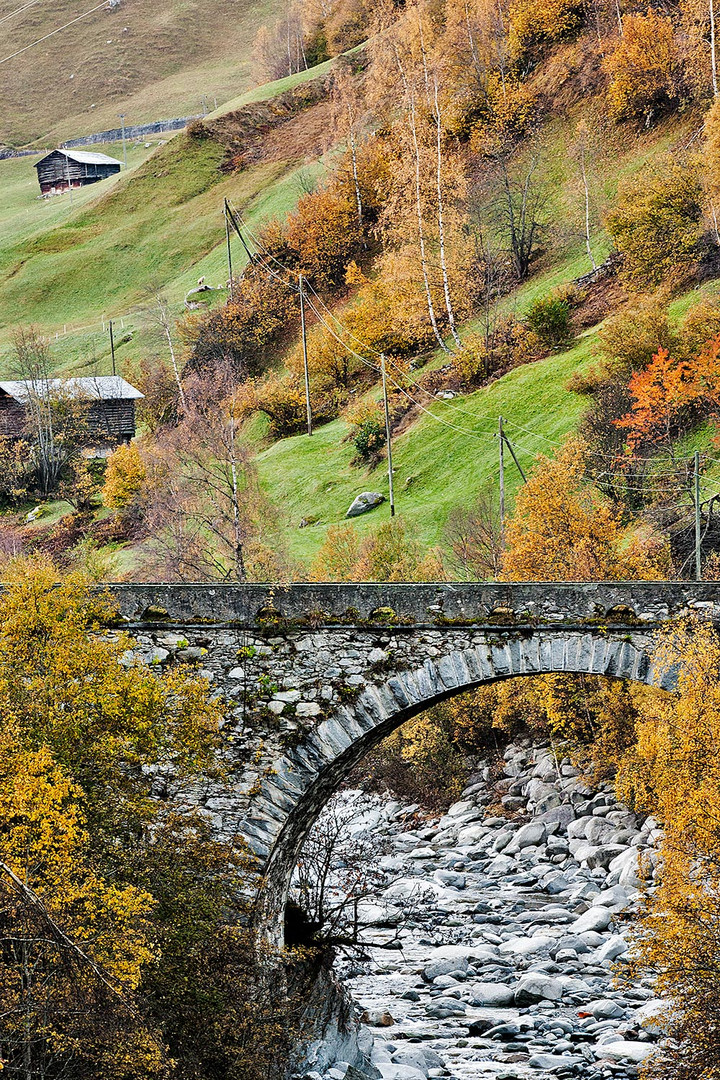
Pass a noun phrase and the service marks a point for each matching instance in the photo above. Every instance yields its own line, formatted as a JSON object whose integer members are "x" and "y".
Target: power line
{"x": 18, "y": 11}
{"x": 262, "y": 254}
{"x": 52, "y": 33}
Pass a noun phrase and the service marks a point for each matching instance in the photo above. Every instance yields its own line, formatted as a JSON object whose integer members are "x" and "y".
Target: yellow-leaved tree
{"x": 565, "y": 530}
{"x": 125, "y": 477}
{"x": 674, "y": 772}
{"x": 124, "y": 952}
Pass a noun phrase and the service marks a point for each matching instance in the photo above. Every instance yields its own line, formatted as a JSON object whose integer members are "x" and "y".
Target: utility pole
{"x": 122, "y": 121}
{"x": 112, "y": 347}
{"x": 229, "y": 252}
{"x": 305, "y": 355}
{"x": 388, "y": 440}
{"x": 67, "y": 175}
{"x": 698, "y": 566}
{"x": 501, "y": 440}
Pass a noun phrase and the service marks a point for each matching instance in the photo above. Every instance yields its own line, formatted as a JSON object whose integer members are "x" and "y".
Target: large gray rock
{"x": 412, "y": 1056}
{"x": 576, "y": 829}
{"x": 612, "y": 948}
{"x": 443, "y": 966}
{"x": 527, "y": 836}
{"x": 599, "y": 831}
{"x": 441, "y": 1008}
{"x": 595, "y": 918}
{"x": 493, "y": 995}
{"x": 537, "y": 987}
{"x": 367, "y": 501}
{"x": 604, "y": 1009}
{"x": 623, "y": 1050}
{"x": 553, "y": 1062}
{"x": 604, "y": 855}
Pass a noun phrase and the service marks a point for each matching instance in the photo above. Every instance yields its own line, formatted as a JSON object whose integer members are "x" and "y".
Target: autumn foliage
{"x": 643, "y": 67}
{"x": 564, "y": 529}
{"x": 674, "y": 773}
{"x": 656, "y": 224}
{"x": 125, "y": 909}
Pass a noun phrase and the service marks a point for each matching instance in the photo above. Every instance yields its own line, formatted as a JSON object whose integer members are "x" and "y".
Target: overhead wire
{"x": 52, "y": 33}
{"x": 608, "y": 474}
{"x": 18, "y": 11}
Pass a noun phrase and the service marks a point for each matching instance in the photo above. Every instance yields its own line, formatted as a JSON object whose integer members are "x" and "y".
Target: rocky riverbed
{"x": 512, "y": 930}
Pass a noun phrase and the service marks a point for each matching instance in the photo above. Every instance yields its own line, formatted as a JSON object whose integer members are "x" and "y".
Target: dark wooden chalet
{"x": 63, "y": 169}
{"x": 107, "y": 401}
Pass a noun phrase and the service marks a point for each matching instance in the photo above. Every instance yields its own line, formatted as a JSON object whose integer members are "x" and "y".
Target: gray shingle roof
{"x": 84, "y": 157}
{"x": 91, "y": 387}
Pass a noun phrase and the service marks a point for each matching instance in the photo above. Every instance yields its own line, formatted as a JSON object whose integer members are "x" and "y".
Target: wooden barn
{"x": 63, "y": 169}
{"x": 107, "y": 401}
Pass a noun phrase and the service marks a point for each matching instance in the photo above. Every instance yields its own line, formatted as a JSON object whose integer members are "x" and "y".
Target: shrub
{"x": 282, "y": 399}
{"x": 655, "y": 225}
{"x": 630, "y": 339}
{"x": 508, "y": 343}
{"x": 536, "y": 22}
{"x": 549, "y": 318}
{"x": 643, "y": 67}
{"x": 367, "y": 431}
{"x": 125, "y": 477}
{"x": 700, "y": 326}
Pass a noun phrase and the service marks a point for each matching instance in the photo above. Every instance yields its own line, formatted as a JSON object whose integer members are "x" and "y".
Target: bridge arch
{"x": 290, "y": 799}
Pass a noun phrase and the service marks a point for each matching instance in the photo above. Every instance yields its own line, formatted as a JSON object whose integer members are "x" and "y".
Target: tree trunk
{"x": 421, "y": 230}
{"x": 441, "y": 222}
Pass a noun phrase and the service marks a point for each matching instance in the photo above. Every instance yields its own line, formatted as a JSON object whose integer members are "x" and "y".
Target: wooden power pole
{"x": 501, "y": 440}
{"x": 112, "y": 347}
{"x": 303, "y": 328}
{"x": 388, "y": 440}
{"x": 229, "y": 251}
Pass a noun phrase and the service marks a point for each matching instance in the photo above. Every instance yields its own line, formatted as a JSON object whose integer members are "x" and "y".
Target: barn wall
{"x": 12, "y": 418}
{"x": 109, "y": 421}
{"x": 112, "y": 420}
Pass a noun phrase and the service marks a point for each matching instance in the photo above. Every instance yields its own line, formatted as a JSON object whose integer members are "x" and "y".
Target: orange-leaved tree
{"x": 643, "y": 67}
{"x": 661, "y": 394}
{"x": 564, "y": 529}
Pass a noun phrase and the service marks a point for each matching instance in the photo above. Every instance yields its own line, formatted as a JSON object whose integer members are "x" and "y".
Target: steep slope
{"x": 148, "y": 59}
{"x": 66, "y": 268}
{"x": 444, "y": 460}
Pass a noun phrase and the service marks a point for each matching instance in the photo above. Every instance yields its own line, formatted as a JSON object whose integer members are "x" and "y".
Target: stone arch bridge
{"x": 316, "y": 675}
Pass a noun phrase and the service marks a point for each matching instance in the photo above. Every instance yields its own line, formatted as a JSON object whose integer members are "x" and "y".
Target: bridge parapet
{"x": 508, "y": 603}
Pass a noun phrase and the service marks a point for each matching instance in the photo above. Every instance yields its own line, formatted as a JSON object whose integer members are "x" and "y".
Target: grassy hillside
{"x": 66, "y": 268}
{"x": 442, "y": 461}
{"x": 149, "y": 59}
